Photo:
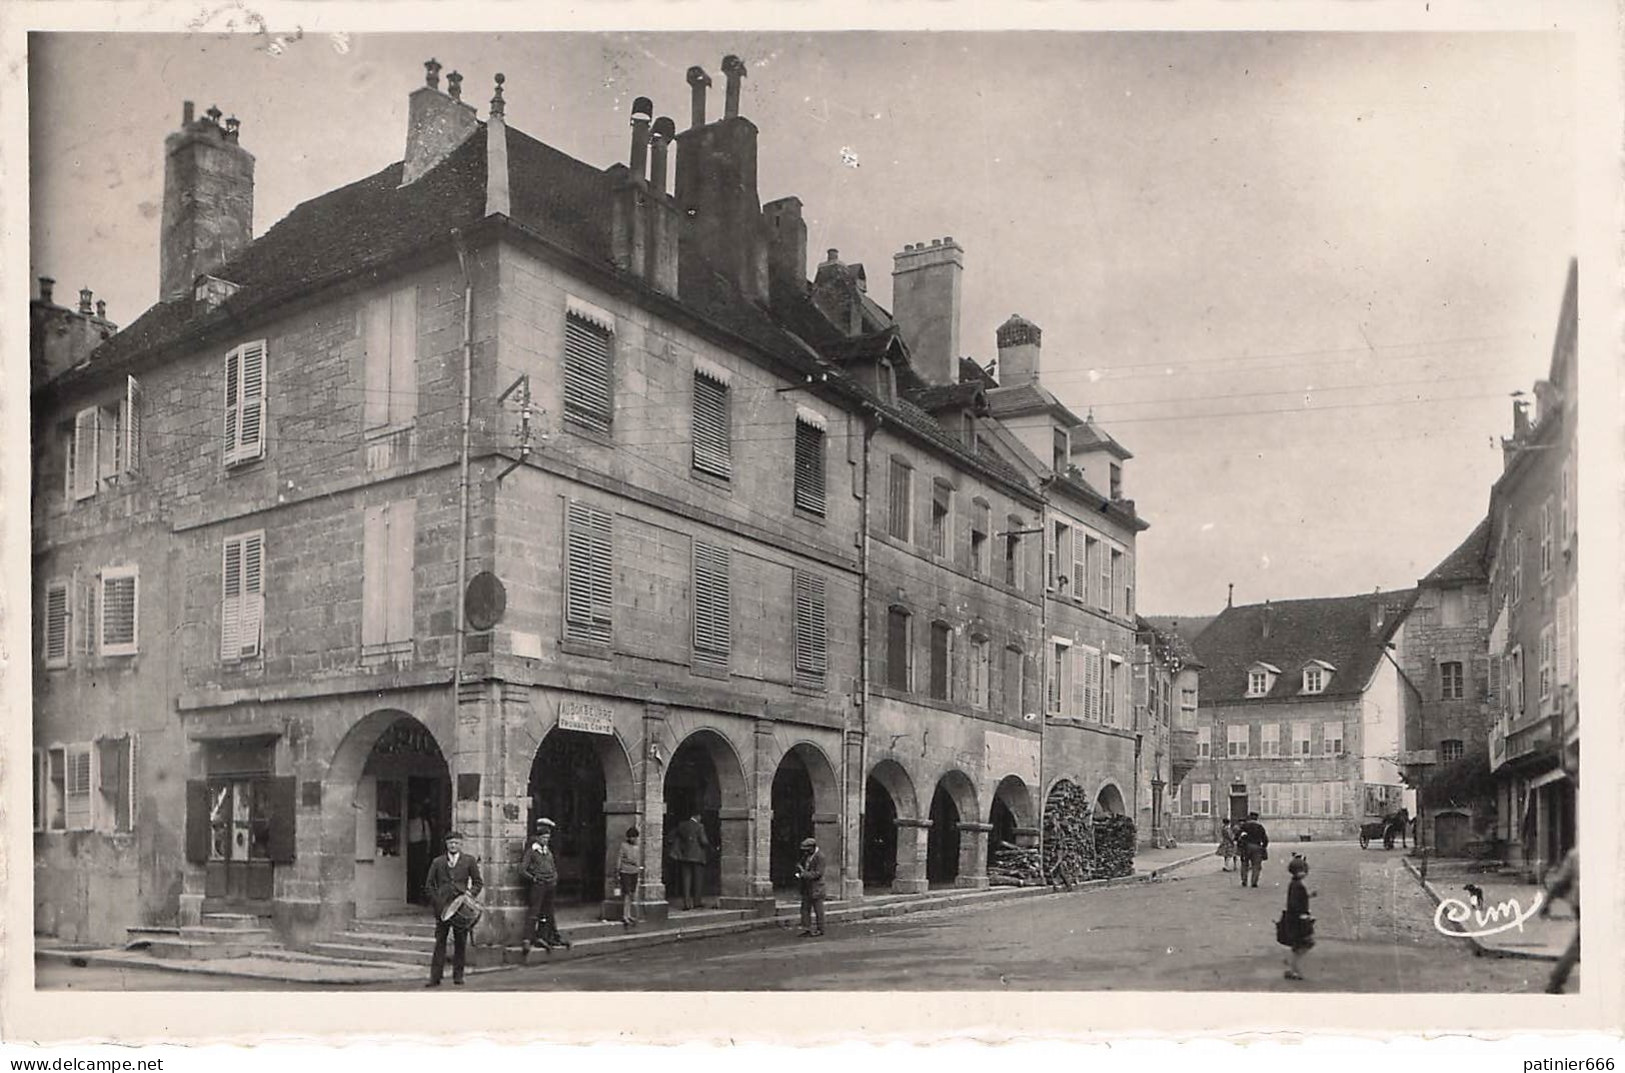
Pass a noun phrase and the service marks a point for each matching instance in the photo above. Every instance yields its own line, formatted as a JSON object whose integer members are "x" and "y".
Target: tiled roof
{"x": 972, "y": 373}
{"x": 1168, "y": 647}
{"x": 1187, "y": 627}
{"x": 1028, "y": 399}
{"x": 939, "y": 397}
{"x": 1336, "y": 630}
{"x": 1090, "y": 436}
{"x": 1468, "y": 562}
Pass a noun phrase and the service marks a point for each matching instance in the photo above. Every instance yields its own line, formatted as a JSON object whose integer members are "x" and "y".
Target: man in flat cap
{"x": 541, "y": 871}
{"x": 451, "y": 875}
{"x": 810, "y": 872}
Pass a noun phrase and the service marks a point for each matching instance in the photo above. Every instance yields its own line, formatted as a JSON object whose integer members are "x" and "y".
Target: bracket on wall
{"x": 522, "y": 386}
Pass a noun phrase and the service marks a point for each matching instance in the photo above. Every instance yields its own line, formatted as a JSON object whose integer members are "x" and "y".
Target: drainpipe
{"x": 462, "y": 481}
{"x": 870, "y": 427}
{"x": 1043, "y": 713}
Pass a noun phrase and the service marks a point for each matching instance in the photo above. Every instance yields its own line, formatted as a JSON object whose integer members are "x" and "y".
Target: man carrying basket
{"x": 453, "y": 885}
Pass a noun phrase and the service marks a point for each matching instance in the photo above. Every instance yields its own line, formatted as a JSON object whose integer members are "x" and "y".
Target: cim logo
{"x": 1476, "y": 922}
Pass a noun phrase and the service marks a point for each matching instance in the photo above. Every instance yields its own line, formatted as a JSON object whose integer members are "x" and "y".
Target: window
{"x": 1517, "y": 567}
{"x": 899, "y": 667}
{"x": 1116, "y": 482}
{"x": 1314, "y": 679}
{"x": 389, "y": 537}
{"x": 42, "y": 784}
{"x": 1111, "y": 694}
{"x": 1331, "y": 799}
{"x": 78, "y": 803}
{"x": 120, "y": 605}
{"x": 1300, "y": 803}
{"x": 713, "y": 636}
{"x": 102, "y": 443}
{"x": 1117, "y": 585}
{"x": 1269, "y": 799}
{"x": 1014, "y": 682}
{"x": 942, "y": 506}
{"x": 57, "y": 624}
{"x": 1331, "y": 738}
{"x": 391, "y": 397}
{"x": 941, "y": 661}
{"x": 1300, "y": 739}
{"x": 811, "y": 630}
{"x": 1269, "y": 740}
{"x": 1086, "y": 572}
{"x": 1062, "y": 449}
{"x": 1126, "y": 586}
{"x": 809, "y": 476}
{"x": 245, "y": 403}
{"x": 1452, "y": 607}
{"x": 1012, "y": 552}
{"x": 981, "y": 659}
{"x": 1103, "y": 592}
{"x": 588, "y": 398}
{"x": 1204, "y": 742}
{"x": 713, "y": 424}
{"x": 56, "y": 789}
{"x": 1202, "y": 799}
{"x": 242, "y": 595}
{"x": 1516, "y": 680}
{"x": 1546, "y": 538}
{"x": 980, "y": 524}
{"x": 1451, "y": 749}
{"x": 1187, "y": 699}
{"x": 1059, "y": 561}
{"x": 1566, "y": 515}
{"x": 1548, "y": 663}
{"x": 1258, "y": 683}
{"x": 1091, "y": 684}
{"x": 902, "y": 492}
{"x": 1451, "y": 686}
{"x": 1236, "y": 744}
{"x": 589, "y": 588}
{"x": 116, "y": 767}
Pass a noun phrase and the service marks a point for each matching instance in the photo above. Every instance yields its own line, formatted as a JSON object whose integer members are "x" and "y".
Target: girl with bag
{"x": 1296, "y": 928}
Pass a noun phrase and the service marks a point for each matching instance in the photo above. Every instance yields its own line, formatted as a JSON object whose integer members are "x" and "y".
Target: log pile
{"x": 1114, "y": 847}
{"x": 1069, "y": 837}
{"x": 1014, "y": 866}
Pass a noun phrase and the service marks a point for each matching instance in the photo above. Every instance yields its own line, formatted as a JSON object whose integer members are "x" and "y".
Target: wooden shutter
{"x": 811, "y": 629}
{"x": 281, "y": 797}
{"x": 56, "y": 624}
{"x": 897, "y": 649}
{"x": 120, "y": 597}
{"x": 1563, "y": 644}
{"x": 86, "y": 451}
{"x": 402, "y": 521}
{"x": 198, "y": 833}
{"x": 1091, "y": 685}
{"x": 403, "y": 355}
{"x": 231, "y": 598}
{"x": 78, "y": 788}
{"x": 586, "y": 373}
{"x": 250, "y": 624}
{"x": 713, "y": 638}
{"x": 1080, "y": 678}
{"x": 713, "y": 447}
{"x": 1104, "y": 598}
{"x": 588, "y": 584}
{"x": 375, "y": 407}
{"x": 899, "y": 505}
{"x": 939, "y": 661}
{"x": 375, "y": 575}
{"x": 809, "y": 475}
{"x": 130, "y": 422}
{"x": 245, "y": 403}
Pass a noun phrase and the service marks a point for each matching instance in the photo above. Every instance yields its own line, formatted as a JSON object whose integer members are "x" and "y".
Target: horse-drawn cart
{"x": 1394, "y": 824}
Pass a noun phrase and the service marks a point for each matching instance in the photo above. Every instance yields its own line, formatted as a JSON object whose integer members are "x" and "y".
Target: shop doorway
{"x": 240, "y": 824}
{"x": 402, "y": 814}
{"x": 803, "y": 782}
{"x": 703, "y": 778}
{"x": 1238, "y": 802}
{"x": 888, "y": 796}
{"x": 568, "y": 786}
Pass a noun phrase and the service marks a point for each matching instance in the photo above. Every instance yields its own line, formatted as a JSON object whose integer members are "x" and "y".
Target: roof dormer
{"x": 1261, "y": 678}
{"x": 1317, "y": 675}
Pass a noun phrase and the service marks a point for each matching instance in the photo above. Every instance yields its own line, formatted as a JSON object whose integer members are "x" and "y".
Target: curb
{"x": 81, "y": 958}
{"x": 1480, "y": 948}
{"x": 1157, "y": 873}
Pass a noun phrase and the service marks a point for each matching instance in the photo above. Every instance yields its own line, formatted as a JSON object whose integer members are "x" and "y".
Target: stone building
{"x": 1166, "y": 684}
{"x": 1533, "y": 550}
{"x": 1301, "y": 712}
{"x": 498, "y": 485}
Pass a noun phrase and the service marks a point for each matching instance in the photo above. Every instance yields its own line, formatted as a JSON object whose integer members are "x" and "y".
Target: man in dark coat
{"x": 811, "y": 874}
{"x": 1253, "y": 842}
{"x": 689, "y": 850}
{"x": 541, "y": 870}
{"x": 451, "y": 874}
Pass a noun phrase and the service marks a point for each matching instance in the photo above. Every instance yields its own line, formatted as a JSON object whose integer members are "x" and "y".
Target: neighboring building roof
{"x": 1024, "y": 399}
{"x": 1469, "y": 562}
{"x": 1336, "y": 630}
{"x": 1120, "y": 510}
{"x": 1090, "y": 436}
{"x": 970, "y": 372}
{"x": 939, "y": 397}
{"x": 1187, "y": 627}
{"x": 1168, "y": 647}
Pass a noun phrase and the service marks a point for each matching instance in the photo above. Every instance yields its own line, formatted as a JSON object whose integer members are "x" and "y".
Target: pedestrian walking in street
{"x": 1253, "y": 843}
{"x": 690, "y": 849}
{"x": 1227, "y": 844}
{"x": 810, "y": 872}
{"x": 1296, "y": 928}
{"x": 541, "y": 870}
{"x": 453, "y": 884}
{"x": 629, "y": 868}
{"x": 1564, "y": 883}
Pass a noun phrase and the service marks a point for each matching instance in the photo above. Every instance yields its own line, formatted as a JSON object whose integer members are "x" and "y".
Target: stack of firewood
{"x": 1114, "y": 847}
{"x": 1014, "y": 866}
{"x": 1069, "y": 837}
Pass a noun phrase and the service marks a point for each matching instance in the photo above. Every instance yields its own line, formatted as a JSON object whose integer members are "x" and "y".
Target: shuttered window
{"x": 980, "y": 525}
{"x": 245, "y": 403}
{"x": 1091, "y": 685}
{"x": 1104, "y": 592}
{"x": 130, "y": 422}
{"x": 388, "y": 561}
{"x": 116, "y": 783}
{"x": 56, "y": 624}
{"x": 809, "y": 477}
{"x": 87, "y": 429}
{"x": 713, "y": 634}
{"x": 1112, "y": 692}
{"x": 899, "y": 501}
{"x": 811, "y": 629}
{"x": 897, "y": 653}
{"x": 119, "y": 607}
{"x": 941, "y": 655}
{"x": 392, "y": 360}
{"x": 78, "y": 800}
{"x": 942, "y": 506}
{"x": 587, "y": 367}
{"x": 1012, "y": 552}
{"x": 713, "y": 430}
{"x": 589, "y": 587}
{"x": 1079, "y": 700}
{"x": 981, "y": 668}
{"x": 242, "y": 596}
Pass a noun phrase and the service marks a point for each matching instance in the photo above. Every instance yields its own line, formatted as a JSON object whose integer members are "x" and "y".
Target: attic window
{"x": 1316, "y": 675}
{"x": 1261, "y": 679}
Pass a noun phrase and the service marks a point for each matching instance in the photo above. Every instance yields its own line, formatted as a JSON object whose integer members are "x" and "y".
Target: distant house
{"x": 1300, "y": 717}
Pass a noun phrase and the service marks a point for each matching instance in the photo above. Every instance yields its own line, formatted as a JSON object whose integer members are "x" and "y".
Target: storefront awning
{"x": 1555, "y": 775}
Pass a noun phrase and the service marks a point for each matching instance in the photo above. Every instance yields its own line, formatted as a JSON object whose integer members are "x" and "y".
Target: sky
{"x": 1298, "y": 275}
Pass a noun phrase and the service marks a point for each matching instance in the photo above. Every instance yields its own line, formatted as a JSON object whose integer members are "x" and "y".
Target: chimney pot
{"x": 834, "y": 256}
{"x": 698, "y": 80}
{"x": 734, "y": 68}
{"x": 101, "y": 309}
{"x": 186, "y": 113}
{"x": 454, "y": 85}
{"x": 642, "y": 109}
{"x": 660, "y": 138}
{"x": 84, "y": 299}
{"x": 214, "y": 114}
{"x": 431, "y": 76}
{"x": 46, "y": 283}
{"x": 233, "y": 125}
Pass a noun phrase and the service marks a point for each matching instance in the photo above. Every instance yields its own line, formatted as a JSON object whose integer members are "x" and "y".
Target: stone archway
{"x": 891, "y": 830}
{"x": 804, "y": 799}
{"x": 705, "y": 779}
{"x": 1109, "y": 800}
{"x": 386, "y": 807}
{"x": 583, "y": 783}
{"x": 1011, "y": 818}
{"x": 951, "y": 858}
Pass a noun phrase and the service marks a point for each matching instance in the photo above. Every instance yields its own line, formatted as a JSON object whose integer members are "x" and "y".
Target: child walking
{"x": 1296, "y": 928}
{"x": 629, "y": 866}
{"x": 1227, "y": 843}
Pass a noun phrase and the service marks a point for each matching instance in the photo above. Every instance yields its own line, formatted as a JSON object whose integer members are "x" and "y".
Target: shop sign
{"x": 587, "y": 718}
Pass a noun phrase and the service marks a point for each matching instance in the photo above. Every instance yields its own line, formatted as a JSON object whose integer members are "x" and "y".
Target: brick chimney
{"x": 926, "y": 281}
{"x": 1267, "y": 618}
{"x": 837, "y": 291}
{"x": 59, "y": 337}
{"x": 436, "y": 123}
{"x": 1018, "y": 340}
{"x": 723, "y": 229}
{"x": 786, "y": 245}
{"x": 208, "y": 200}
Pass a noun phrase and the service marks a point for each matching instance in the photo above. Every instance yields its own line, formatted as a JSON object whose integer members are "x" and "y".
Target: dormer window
{"x": 1063, "y": 450}
{"x": 1316, "y": 675}
{"x": 1116, "y": 482}
{"x": 1261, "y": 679}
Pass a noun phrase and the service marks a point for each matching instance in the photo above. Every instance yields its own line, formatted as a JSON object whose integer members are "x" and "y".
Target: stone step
{"x": 302, "y": 957}
{"x": 245, "y": 921}
{"x": 396, "y": 925}
{"x": 181, "y": 949}
{"x": 365, "y": 952}
{"x": 387, "y": 940}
